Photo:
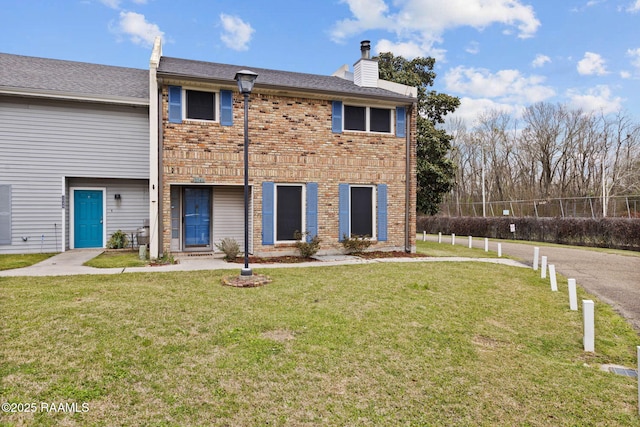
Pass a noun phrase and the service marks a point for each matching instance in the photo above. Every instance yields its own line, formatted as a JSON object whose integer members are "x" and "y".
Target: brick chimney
{"x": 365, "y": 71}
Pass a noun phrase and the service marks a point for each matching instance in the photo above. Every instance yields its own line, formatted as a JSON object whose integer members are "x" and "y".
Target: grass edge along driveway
{"x": 377, "y": 344}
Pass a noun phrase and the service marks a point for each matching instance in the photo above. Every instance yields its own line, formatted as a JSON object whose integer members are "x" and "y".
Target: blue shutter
{"x": 312, "y": 210}
{"x": 268, "y": 199}
{"x": 382, "y": 212}
{"x": 336, "y": 117}
{"x": 175, "y": 104}
{"x": 401, "y": 122}
{"x": 343, "y": 211}
{"x": 226, "y": 108}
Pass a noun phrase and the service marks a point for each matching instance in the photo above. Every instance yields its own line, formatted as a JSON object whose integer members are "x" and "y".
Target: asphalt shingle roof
{"x": 53, "y": 76}
{"x": 190, "y": 69}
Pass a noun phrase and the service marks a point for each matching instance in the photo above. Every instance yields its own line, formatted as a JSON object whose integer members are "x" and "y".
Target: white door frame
{"x": 72, "y": 214}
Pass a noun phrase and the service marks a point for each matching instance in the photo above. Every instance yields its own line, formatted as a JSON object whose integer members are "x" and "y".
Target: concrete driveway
{"x": 613, "y": 278}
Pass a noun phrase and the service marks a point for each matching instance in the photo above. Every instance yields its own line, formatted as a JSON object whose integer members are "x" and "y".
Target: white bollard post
{"x": 552, "y": 276}
{"x": 486, "y": 244}
{"x": 499, "y": 250}
{"x": 424, "y": 236}
{"x": 573, "y": 296}
{"x": 439, "y": 237}
{"x": 536, "y": 256}
{"x": 453, "y": 239}
{"x": 589, "y": 325}
{"x": 543, "y": 268}
{"x": 470, "y": 242}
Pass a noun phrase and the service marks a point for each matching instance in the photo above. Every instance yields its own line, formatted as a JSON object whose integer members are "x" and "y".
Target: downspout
{"x": 160, "y": 173}
{"x": 154, "y": 190}
{"x": 64, "y": 214}
{"x": 407, "y": 195}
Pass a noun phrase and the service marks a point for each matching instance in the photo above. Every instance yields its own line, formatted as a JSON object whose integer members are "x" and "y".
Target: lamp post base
{"x": 245, "y": 272}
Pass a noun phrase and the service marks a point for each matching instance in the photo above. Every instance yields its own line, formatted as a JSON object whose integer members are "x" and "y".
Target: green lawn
{"x": 10, "y": 261}
{"x": 376, "y": 344}
{"x": 121, "y": 259}
{"x": 436, "y": 249}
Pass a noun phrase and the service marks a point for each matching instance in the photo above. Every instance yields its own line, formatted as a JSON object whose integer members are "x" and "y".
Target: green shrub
{"x": 307, "y": 249}
{"x": 118, "y": 240}
{"x": 356, "y": 244}
{"x": 230, "y": 247}
{"x": 616, "y": 233}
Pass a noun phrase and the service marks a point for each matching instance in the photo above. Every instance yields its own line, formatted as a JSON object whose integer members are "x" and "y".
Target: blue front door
{"x": 87, "y": 219}
{"x": 197, "y": 217}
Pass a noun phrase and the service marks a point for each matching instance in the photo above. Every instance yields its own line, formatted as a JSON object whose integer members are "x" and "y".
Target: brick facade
{"x": 291, "y": 141}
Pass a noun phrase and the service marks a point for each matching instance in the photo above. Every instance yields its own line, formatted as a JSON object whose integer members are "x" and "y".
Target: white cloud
{"x": 236, "y": 34}
{"x": 369, "y": 14}
{"x": 596, "y": 99}
{"x": 408, "y": 49}
{"x": 540, "y": 60}
{"x": 113, "y": 4}
{"x": 625, "y": 74}
{"x": 470, "y": 109}
{"x": 422, "y": 23}
{"x": 473, "y": 48}
{"x": 506, "y": 86}
{"x": 592, "y": 64}
{"x": 634, "y": 7}
{"x": 135, "y": 26}
{"x": 634, "y": 54}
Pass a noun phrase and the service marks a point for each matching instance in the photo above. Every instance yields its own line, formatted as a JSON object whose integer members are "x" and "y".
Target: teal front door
{"x": 87, "y": 219}
{"x": 197, "y": 218}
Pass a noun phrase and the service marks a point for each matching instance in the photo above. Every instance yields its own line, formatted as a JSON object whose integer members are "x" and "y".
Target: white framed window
{"x": 368, "y": 119}
{"x": 200, "y": 105}
{"x": 362, "y": 211}
{"x": 289, "y": 211}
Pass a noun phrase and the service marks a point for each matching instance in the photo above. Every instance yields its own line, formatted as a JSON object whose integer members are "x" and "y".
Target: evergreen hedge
{"x": 617, "y": 233}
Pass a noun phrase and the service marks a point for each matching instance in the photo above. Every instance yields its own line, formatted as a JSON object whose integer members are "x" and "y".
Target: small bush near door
{"x": 118, "y": 240}
{"x": 307, "y": 249}
{"x": 230, "y": 247}
{"x": 356, "y": 244}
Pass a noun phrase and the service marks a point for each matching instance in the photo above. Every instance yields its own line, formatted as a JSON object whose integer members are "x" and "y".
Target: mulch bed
{"x": 392, "y": 254}
{"x": 291, "y": 259}
{"x": 253, "y": 281}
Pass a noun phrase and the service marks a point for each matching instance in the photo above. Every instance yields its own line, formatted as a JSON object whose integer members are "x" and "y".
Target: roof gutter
{"x": 39, "y": 93}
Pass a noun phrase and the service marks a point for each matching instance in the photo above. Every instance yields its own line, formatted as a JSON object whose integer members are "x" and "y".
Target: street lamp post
{"x": 246, "y": 79}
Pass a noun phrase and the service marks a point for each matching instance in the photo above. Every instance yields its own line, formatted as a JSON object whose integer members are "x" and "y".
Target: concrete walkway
{"x": 70, "y": 263}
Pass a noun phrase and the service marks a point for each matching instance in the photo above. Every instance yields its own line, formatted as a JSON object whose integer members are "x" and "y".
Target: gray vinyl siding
{"x": 129, "y": 213}
{"x": 46, "y": 144}
{"x": 5, "y": 214}
{"x": 228, "y": 214}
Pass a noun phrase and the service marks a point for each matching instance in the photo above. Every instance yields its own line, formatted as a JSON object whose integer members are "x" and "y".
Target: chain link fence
{"x": 570, "y": 207}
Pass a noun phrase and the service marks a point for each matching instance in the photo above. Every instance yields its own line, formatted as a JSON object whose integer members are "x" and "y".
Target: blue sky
{"x": 493, "y": 54}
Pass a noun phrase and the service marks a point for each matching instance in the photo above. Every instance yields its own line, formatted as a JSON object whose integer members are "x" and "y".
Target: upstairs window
{"x": 355, "y": 118}
{"x": 367, "y": 119}
{"x": 200, "y": 105}
{"x": 380, "y": 120}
